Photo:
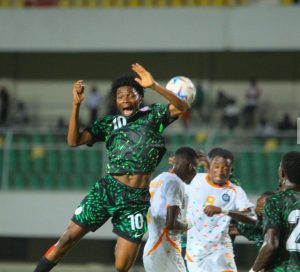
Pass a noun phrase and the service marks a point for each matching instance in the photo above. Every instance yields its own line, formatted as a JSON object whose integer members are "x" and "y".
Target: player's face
{"x": 259, "y": 209}
{"x": 219, "y": 170}
{"x": 128, "y": 100}
{"x": 186, "y": 170}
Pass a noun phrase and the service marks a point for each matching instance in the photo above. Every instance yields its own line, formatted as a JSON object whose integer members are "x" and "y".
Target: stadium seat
{"x": 17, "y": 181}
{"x": 243, "y": 170}
{"x": 62, "y": 181}
{"x": 34, "y": 181}
{"x": 65, "y": 161}
{"x": 80, "y": 161}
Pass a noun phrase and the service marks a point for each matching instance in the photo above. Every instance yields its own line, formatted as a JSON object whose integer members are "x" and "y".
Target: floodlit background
{"x": 222, "y": 45}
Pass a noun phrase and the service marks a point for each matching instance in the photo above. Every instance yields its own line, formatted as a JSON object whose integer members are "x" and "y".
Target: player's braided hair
{"x": 291, "y": 166}
{"x": 218, "y": 151}
{"x": 127, "y": 80}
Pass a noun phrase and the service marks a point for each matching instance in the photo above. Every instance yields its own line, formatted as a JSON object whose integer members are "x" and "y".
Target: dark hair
{"x": 290, "y": 164}
{"x": 186, "y": 153}
{"x": 127, "y": 80}
{"x": 220, "y": 152}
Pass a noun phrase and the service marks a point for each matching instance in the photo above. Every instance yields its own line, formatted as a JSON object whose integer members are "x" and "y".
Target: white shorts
{"x": 218, "y": 261}
{"x": 160, "y": 261}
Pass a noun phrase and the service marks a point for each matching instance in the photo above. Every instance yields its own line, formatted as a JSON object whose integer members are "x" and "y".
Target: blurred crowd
{"x": 224, "y": 112}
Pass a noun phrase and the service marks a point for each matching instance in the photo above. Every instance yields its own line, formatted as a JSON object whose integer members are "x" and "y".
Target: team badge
{"x": 226, "y": 197}
{"x": 78, "y": 211}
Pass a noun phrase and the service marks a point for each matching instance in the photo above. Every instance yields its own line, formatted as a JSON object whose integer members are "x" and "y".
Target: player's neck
{"x": 289, "y": 185}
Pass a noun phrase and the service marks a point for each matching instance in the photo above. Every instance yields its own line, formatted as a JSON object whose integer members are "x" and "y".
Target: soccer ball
{"x": 183, "y": 87}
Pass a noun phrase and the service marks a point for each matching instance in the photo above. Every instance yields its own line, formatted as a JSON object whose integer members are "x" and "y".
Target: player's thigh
{"x": 130, "y": 214}
{"x": 125, "y": 254}
{"x": 93, "y": 212}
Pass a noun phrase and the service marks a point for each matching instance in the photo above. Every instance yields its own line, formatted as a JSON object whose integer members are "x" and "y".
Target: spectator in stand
{"x": 222, "y": 100}
{"x": 4, "y": 105}
{"x": 231, "y": 114}
{"x": 285, "y": 123}
{"x": 21, "y": 117}
{"x": 93, "y": 101}
{"x": 264, "y": 129}
{"x": 252, "y": 94}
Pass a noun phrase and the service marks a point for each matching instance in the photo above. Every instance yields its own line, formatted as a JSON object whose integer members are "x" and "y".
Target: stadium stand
{"x": 43, "y": 161}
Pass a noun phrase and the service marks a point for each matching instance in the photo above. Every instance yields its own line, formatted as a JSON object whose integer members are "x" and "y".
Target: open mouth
{"x": 128, "y": 110}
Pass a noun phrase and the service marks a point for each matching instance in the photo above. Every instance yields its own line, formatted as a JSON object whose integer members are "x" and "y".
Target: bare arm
{"x": 268, "y": 250}
{"x": 242, "y": 217}
{"x": 75, "y": 138}
{"x": 172, "y": 222}
{"x": 177, "y": 106}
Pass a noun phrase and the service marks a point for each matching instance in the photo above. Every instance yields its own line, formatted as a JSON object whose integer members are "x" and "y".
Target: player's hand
{"x": 78, "y": 92}
{"x": 145, "y": 79}
{"x": 210, "y": 210}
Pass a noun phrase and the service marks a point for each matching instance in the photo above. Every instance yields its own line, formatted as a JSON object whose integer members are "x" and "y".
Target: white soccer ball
{"x": 183, "y": 87}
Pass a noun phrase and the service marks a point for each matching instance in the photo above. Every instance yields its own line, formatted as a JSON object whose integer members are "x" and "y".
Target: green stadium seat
{"x": 94, "y": 162}
{"x": 78, "y": 181}
{"x": 62, "y": 181}
{"x": 38, "y": 158}
{"x": 244, "y": 170}
{"x": 48, "y": 182}
{"x": 34, "y": 181}
{"x": 260, "y": 172}
{"x": 17, "y": 181}
{"x": 51, "y": 161}
{"x": 80, "y": 161}
{"x": 66, "y": 165}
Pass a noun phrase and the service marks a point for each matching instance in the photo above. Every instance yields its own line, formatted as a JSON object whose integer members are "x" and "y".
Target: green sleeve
{"x": 162, "y": 116}
{"x": 99, "y": 130}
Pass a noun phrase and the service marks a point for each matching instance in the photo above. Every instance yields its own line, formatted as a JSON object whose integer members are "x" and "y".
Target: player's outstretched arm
{"x": 75, "y": 138}
{"x": 245, "y": 218}
{"x": 267, "y": 252}
{"x": 146, "y": 80}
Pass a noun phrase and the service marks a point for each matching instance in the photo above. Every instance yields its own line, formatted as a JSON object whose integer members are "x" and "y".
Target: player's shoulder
{"x": 236, "y": 186}
{"x": 198, "y": 179}
{"x": 281, "y": 196}
{"x": 166, "y": 177}
{"x": 155, "y": 107}
{"x": 108, "y": 119}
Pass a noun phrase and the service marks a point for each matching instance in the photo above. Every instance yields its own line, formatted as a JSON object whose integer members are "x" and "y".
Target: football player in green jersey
{"x": 281, "y": 248}
{"x": 251, "y": 228}
{"x": 135, "y": 146}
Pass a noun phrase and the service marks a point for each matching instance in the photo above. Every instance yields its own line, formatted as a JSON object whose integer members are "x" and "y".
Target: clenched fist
{"x": 78, "y": 92}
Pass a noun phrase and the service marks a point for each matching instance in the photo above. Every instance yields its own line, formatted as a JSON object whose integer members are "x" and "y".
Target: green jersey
{"x": 134, "y": 144}
{"x": 252, "y": 232}
{"x": 282, "y": 211}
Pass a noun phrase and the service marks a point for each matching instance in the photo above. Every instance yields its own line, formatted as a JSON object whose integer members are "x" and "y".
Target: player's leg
{"x": 89, "y": 216}
{"x": 56, "y": 252}
{"x": 125, "y": 254}
{"x": 129, "y": 218}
